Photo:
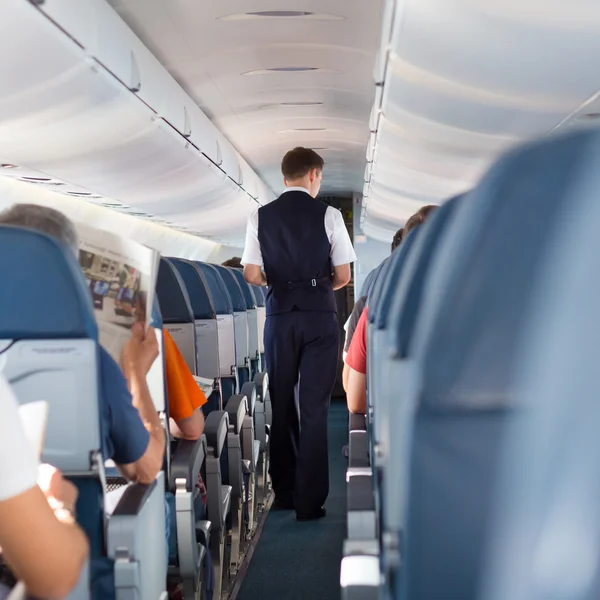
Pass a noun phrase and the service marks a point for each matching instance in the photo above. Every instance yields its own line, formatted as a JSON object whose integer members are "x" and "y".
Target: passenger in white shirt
{"x": 39, "y": 539}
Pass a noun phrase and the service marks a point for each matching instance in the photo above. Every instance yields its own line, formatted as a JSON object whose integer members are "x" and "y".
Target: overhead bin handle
{"x": 187, "y": 123}
{"x": 135, "y": 81}
{"x": 219, "y": 155}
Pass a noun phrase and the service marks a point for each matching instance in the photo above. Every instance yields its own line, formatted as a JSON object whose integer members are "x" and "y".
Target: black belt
{"x": 292, "y": 285}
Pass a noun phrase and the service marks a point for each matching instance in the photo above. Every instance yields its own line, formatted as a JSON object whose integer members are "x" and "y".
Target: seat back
{"x": 546, "y": 532}
{"x": 205, "y": 318}
{"x": 459, "y": 392}
{"x": 224, "y": 311}
{"x": 240, "y": 316}
{"x": 48, "y": 343}
{"x": 405, "y": 294}
{"x": 261, "y": 316}
{"x": 251, "y": 312}
{"x": 177, "y": 314}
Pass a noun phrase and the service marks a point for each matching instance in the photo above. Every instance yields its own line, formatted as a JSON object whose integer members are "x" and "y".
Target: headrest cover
{"x": 172, "y": 294}
{"x": 409, "y": 290}
{"x": 219, "y": 294}
{"x": 380, "y": 304}
{"x": 44, "y": 292}
{"x": 245, "y": 287}
{"x": 196, "y": 287}
{"x": 235, "y": 293}
{"x": 157, "y": 321}
{"x": 504, "y": 230}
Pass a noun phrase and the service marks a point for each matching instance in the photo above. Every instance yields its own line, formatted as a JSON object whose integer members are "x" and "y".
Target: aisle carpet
{"x": 301, "y": 561}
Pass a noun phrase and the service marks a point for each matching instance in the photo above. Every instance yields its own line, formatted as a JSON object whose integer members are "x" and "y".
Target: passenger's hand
{"x": 140, "y": 352}
{"x": 56, "y": 488}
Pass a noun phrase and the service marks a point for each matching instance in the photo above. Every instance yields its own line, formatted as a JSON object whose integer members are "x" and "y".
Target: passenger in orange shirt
{"x": 186, "y": 399}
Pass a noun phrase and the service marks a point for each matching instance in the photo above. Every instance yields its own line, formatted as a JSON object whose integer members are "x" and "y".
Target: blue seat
{"x": 544, "y": 542}
{"x": 177, "y": 313}
{"x": 253, "y": 325}
{"x": 226, "y": 329}
{"x": 50, "y": 341}
{"x": 240, "y": 319}
{"x": 205, "y": 326}
{"x": 458, "y": 387}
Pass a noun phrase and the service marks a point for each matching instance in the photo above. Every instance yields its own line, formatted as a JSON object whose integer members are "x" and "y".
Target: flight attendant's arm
{"x": 254, "y": 275}
{"x": 341, "y": 253}
{"x": 341, "y": 276}
{"x": 252, "y": 257}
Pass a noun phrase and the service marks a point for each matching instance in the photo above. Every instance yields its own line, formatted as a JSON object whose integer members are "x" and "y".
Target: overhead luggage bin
{"x": 112, "y": 120}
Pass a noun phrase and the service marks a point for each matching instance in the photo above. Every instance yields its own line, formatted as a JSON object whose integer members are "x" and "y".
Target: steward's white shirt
{"x": 341, "y": 253}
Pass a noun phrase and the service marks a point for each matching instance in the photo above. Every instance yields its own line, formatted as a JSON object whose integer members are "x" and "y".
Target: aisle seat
{"x": 53, "y": 354}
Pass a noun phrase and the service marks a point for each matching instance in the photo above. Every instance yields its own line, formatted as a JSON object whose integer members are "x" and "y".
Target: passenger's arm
{"x": 341, "y": 276}
{"x": 46, "y": 551}
{"x": 345, "y": 373}
{"x": 138, "y": 355}
{"x": 191, "y": 428}
{"x": 254, "y": 275}
{"x": 356, "y": 392}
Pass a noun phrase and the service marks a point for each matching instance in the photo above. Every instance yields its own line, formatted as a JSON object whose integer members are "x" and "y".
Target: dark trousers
{"x": 302, "y": 355}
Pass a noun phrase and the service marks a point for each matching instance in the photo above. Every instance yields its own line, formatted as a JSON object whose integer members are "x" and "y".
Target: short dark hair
{"x": 418, "y": 218}
{"x": 397, "y": 238}
{"x": 235, "y": 262}
{"x": 299, "y": 161}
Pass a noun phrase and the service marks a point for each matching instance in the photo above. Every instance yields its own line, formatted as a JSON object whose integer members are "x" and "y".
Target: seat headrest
{"x": 172, "y": 294}
{"x": 44, "y": 292}
{"x": 233, "y": 288}
{"x": 219, "y": 294}
{"x": 380, "y": 299}
{"x": 548, "y": 492}
{"x": 197, "y": 288}
{"x": 245, "y": 287}
{"x": 408, "y": 291}
{"x": 485, "y": 273}
{"x": 157, "y": 321}
{"x": 258, "y": 295}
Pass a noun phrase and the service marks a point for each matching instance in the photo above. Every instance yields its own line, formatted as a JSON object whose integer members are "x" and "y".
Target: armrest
{"x": 262, "y": 384}
{"x": 360, "y": 577}
{"x": 133, "y": 499}
{"x": 187, "y": 461}
{"x": 216, "y": 427}
{"x": 360, "y": 494}
{"x": 358, "y": 449}
{"x": 136, "y": 541}
{"x": 237, "y": 409}
{"x": 357, "y": 422}
{"x": 249, "y": 390}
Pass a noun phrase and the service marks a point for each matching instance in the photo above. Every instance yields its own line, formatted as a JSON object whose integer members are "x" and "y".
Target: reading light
{"x": 281, "y": 14}
{"x": 279, "y": 70}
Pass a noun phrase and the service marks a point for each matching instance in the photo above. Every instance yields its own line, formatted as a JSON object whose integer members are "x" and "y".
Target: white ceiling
{"x": 208, "y": 56}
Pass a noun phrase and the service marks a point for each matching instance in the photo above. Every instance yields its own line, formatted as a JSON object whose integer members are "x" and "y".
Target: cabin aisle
{"x": 299, "y": 561}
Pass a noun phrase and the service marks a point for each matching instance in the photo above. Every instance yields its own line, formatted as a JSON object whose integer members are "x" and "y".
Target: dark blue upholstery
{"x": 409, "y": 290}
{"x": 381, "y": 297}
{"x": 245, "y": 287}
{"x": 258, "y": 295}
{"x": 157, "y": 320}
{"x": 235, "y": 293}
{"x": 42, "y": 278}
{"x": 219, "y": 294}
{"x": 200, "y": 298}
{"x": 171, "y": 291}
{"x": 489, "y": 262}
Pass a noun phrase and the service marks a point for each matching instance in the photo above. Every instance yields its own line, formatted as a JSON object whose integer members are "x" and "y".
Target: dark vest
{"x": 295, "y": 250}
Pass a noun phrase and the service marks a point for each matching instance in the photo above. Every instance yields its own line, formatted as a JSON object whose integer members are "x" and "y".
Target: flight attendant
{"x": 306, "y": 252}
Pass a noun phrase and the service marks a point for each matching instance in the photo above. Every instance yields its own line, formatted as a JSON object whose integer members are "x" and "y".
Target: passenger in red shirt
{"x": 356, "y": 359}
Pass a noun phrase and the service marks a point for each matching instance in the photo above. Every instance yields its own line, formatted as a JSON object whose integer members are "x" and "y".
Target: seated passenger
{"x": 235, "y": 262}
{"x": 40, "y": 543}
{"x": 132, "y": 434}
{"x": 355, "y": 367}
{"x": 186, "y": 399}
